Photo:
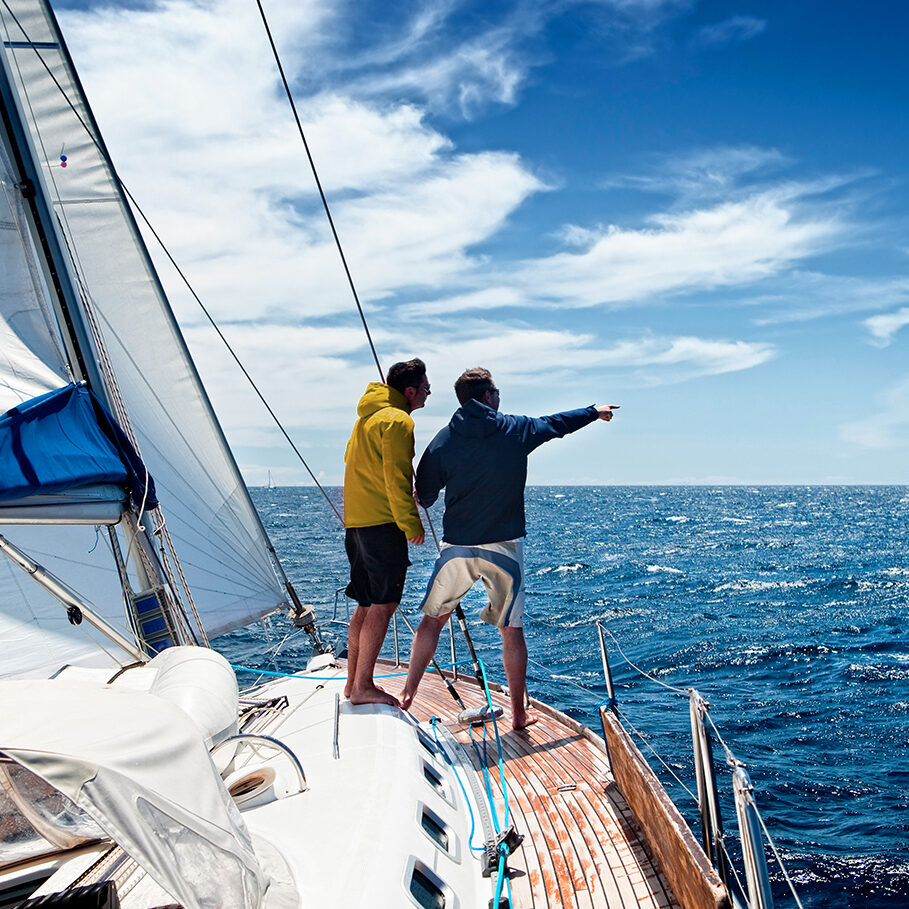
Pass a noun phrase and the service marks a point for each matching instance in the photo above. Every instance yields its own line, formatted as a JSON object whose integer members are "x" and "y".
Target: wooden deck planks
{"x": 582, "y": 848}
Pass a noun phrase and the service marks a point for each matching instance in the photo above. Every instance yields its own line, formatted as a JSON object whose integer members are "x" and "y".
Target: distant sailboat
{"x": 269, "y": 484}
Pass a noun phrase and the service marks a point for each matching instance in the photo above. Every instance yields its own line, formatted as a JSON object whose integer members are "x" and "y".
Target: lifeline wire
{"x": 730, "y": 757}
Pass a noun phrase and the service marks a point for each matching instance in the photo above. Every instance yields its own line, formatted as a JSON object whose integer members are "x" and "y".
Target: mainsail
{"x": 129, "y": 345}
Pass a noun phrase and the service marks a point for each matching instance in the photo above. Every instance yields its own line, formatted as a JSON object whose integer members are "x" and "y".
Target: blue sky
{"x": 695, "y": 210}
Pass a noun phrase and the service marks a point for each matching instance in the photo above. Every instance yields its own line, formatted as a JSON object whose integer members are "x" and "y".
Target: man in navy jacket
{"x": 480, "y": 459}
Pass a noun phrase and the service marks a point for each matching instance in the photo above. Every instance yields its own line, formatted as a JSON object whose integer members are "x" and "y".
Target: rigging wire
{"x": 315, "y": 174}
{"x": 227, "y": 344}
{"x": 643, "y": 739}
{"x": 779, "y": 858}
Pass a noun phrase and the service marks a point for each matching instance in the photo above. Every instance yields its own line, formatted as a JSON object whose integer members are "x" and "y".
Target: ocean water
{"x": 786, "y": 607}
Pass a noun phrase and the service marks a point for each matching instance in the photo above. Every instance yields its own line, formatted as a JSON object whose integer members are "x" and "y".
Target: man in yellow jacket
{"x": 380, "y": 517}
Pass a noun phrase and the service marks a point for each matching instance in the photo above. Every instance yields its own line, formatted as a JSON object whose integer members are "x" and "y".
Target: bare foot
{"x": 522, "y": 722}
{"x": 373, "y": 695}
{"x": 406, "y": 699}
{"x": 349, "y": 686}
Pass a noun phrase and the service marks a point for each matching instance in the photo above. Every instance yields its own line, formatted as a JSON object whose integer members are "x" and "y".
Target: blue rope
{"x": 495, "y": 726}
{"x": 501, "y": 876}
{"x": 481, "y": 758}
{"x": 432, "y": 722}
{"x": 323, "y": 678}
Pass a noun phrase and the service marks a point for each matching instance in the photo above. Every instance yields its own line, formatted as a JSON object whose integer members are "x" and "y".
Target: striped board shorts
{"x": 500, "y": 565}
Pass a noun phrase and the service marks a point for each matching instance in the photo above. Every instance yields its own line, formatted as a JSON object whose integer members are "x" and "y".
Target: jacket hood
{"x": 475, "y": 420}
{"x": 379, "y": 395}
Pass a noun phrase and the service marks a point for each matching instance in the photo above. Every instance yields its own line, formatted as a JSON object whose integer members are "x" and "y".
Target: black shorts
{"x": 378, "y": 563}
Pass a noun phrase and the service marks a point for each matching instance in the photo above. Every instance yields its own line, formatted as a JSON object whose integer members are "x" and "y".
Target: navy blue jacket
{"x": 481, "y": 460}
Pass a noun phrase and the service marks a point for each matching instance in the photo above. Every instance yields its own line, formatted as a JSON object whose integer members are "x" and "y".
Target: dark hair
{"x": 473, "y": 383}
{"x": 406, "y": 375}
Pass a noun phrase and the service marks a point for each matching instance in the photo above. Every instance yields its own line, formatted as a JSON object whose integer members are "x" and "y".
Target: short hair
{"x": 406, "y": 375}
{"x": 473, "y": 383}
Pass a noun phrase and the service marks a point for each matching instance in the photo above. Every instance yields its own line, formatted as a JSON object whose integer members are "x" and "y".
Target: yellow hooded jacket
{"x": 378, "y": 479}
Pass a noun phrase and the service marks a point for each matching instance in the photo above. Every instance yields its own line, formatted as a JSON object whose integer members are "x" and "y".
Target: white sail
{"x": 216, "y": 532}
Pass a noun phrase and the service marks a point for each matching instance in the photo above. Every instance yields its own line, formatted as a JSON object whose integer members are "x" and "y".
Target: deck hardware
{"x": 503, "y": 903}
{"x": 478, "y": 716}
{"x": 269, "y": 742}
{"x": 335, "y": 752}
{"x": 510, "y": 838}
{"x": 611, "y": 703}
{"x": 74, "y": 614}
{"x": 708, "y": 794}
{"x": 568, "y": 787}
{"x": 759, "y": 894}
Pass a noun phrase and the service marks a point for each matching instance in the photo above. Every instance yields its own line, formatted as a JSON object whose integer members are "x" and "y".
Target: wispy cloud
{"x": 207, "y": 144}
{"x": 698, "y": 356}
{"x": 801, "y": 296}
{"x": 211, "y": 141}
{"x": 725, "y": 245}
{"x": 885, "y": 326}
{"x": 286, "y": 360}
{"x": 710, "y": 173}
{"x": 734, "y": 30}
{"x": 889, "y": 427}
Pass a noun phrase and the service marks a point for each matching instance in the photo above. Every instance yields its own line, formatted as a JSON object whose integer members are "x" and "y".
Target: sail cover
{"x": 216, "y": 532}
{"x": 144, "y": 777}
{"x": 65, "y": 440}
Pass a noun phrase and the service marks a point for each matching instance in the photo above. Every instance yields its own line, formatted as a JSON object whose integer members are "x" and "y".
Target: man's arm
{"x": 537, "y": 430}
{"x": 397, "y": 466}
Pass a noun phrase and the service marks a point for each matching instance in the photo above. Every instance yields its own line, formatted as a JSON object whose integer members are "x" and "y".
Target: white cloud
{"x": 469, "y": 77}
{"x": 210, "y": 151}
{"x": 733, "y": 30}
{"x": 699, "y": 356}
{"x": 709, "y": 173}
{"x": 800, "y": 296}
{"x": 886, "y": 325}
{"x": 889, "y": 427}
{"x": 291, "y": 362}
{"x": 729, "y": 244}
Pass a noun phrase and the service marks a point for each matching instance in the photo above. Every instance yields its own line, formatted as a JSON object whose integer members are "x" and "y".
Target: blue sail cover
{"x": 63, "y": 440}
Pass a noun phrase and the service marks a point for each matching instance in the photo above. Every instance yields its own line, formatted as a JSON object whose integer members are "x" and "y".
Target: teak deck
{"x": 582, "y": 847}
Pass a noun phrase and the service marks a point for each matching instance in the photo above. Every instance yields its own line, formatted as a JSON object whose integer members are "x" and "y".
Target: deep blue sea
{"x": 786, "y": 607}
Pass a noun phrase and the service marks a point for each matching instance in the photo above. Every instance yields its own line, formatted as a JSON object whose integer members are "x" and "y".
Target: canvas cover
{"x": 144, "y": 777}
{"x": 63, "y": 440}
